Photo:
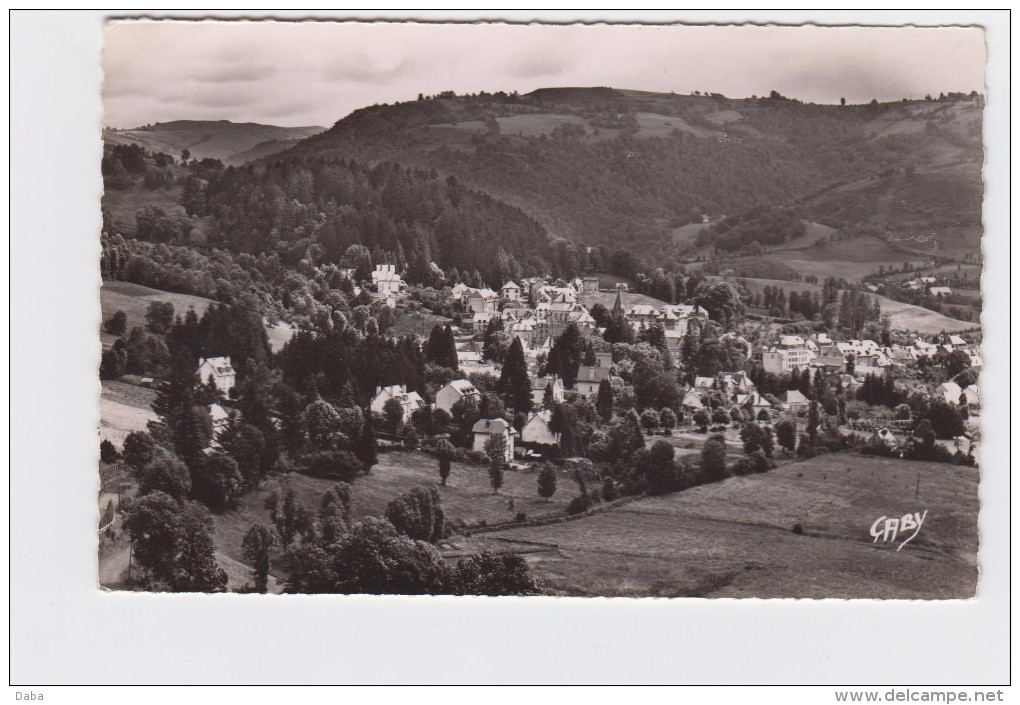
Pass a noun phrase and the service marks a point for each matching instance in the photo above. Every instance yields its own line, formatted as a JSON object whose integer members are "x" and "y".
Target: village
{"x": 535, "y": 311}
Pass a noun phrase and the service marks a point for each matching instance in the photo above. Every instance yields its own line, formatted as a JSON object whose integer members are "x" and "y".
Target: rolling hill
{"x": 626, "y": 168}
{"x": 230, "y": 142}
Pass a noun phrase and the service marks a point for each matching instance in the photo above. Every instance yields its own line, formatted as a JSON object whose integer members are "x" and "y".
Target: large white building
{"x": 781, "y": 360}
{"x": 386, "y": 279}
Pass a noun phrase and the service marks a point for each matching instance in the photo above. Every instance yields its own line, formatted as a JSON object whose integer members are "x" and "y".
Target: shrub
{"x": 108, "y": 452}
{"x": 334, "y": 465}
{"x": 579, "y": 504}
{"x": 609, "y": 490}
{"x": 798, "y": 529}
{"x": 521, "y": 516}
{"x": 418, "y": 514}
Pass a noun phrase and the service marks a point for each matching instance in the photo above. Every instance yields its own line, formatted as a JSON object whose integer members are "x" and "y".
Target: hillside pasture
{"x": 537, "y": 124}
{"x": 123, "y": 408}
{"x": 903, "y": 316}
{"x": 134, "y": 299}
{"x": 655, "y": 125}
{"x": 123, "y": 204}
{"x": 608, "y": 299}
{"x": 735, "y": 539}
{"x": 687, "y": 233}
{"x": 467, "y": 496}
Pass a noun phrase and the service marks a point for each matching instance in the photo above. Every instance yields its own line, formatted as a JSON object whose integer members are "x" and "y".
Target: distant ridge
{"x": 217, "y": 139}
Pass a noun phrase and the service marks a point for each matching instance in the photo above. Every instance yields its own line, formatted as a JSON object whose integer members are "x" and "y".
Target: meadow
{"x": 903, "y": 316}
{"x": 123, "y": 408}
{"x": 736, "y": 538}
{"x": 467, "y": 496}
{"x": 134, "y": 299}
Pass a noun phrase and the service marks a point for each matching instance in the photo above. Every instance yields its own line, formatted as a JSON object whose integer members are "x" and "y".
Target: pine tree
{"x": 813, "y": 421}
{"x": 448, "y": 355}
{"x": 367, "y": 448}
{"x": 548, "y": 397}
{"x": 604, "y": 400}
{"x": 547, "y": 481}
{"x": 513, "y": 380}
{"x": 568, "y": 350}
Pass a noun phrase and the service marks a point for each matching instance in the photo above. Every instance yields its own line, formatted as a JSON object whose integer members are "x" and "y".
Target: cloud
{"x": 300, "y": 73}
{"x": 537, "y": 65}
{"x": 234, "y": 73}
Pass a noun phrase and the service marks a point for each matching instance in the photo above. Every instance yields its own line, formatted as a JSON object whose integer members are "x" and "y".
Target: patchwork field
{"x": 735, "y": 538}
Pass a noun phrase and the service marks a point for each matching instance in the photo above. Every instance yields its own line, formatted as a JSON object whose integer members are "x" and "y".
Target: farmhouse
{"x": 409, "y": 401}
{"x": 453, "y": 392}
{"x": 219, "y": 370}
{"x": 486, "y": 428}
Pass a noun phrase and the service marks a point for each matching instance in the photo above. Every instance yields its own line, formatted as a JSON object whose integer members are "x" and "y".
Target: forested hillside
{"x": 606, "y": 166}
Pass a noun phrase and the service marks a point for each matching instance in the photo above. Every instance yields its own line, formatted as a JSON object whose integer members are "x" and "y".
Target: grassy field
{"x": 735, "y": 538}
{"x": 533, "y": 125}
{"x": 123, "y": 408}
{"x": 134, "y": 299}
{"x": 903, "y": 316}
{"x": 608, "y": 299}
{"x": 279, "y": 334}
{"x": 467, "y": 496}
{"x": 655, "y": 125}
{"x": 123, "y": 204}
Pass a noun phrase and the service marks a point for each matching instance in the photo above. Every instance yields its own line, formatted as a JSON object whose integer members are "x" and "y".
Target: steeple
{"x": 618, "y": 306}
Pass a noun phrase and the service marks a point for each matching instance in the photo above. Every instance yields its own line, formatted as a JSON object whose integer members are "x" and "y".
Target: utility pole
{"x": 917, "y": 490}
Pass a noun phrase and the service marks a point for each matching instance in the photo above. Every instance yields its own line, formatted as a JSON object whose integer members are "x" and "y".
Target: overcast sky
{"x": 314, "y": 73}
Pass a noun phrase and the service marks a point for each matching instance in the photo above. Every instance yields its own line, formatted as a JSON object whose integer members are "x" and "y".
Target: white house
{"x": 589, "y": 377}
{"x": 538, "y": 385}
{"x": 453, "y": 392}
{"x": 386, "y": 279}
{"x": 482, "y": 300}
{"x": 537, "y": 430}
{"x": 793, "y": 400}
{"x": 409, "y": 401}
{"x": 486, "y": 428}
{"x": 511, "y": 292}
{"x": 220, "y": 370}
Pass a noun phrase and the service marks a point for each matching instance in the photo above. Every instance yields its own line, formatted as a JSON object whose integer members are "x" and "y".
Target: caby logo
{"x": 887, "y": 529}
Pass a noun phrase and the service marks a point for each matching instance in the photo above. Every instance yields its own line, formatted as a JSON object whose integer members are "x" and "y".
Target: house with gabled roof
{"x": 453, "y": 392}
{"x": 409, "y": 401}
{"x": 537, "y": 429}
{"x": 484, "y": 429}
{"x": 219, "y": 370}
{"x": 510, "y": 292}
